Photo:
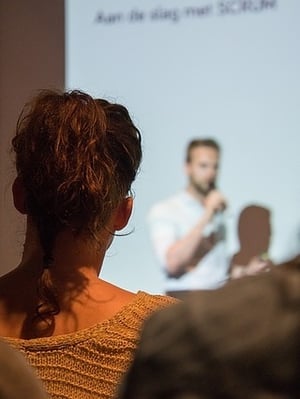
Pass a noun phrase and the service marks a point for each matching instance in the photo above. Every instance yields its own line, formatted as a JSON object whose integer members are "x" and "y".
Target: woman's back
{"x": 76, "y": 158}
{"x": 89, "y": 363}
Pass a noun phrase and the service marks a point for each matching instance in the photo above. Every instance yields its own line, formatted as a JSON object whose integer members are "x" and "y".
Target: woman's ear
{"x": 19, "y": 196}
{"x": 123, "y": 213}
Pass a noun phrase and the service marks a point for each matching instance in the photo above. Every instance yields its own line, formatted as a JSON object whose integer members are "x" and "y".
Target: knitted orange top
{"x": 90, "y": 363}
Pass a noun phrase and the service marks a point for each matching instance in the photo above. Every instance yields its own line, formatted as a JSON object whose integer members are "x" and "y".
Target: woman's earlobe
{"x": 123, "y": 213}
{"x": 19, "y": 196}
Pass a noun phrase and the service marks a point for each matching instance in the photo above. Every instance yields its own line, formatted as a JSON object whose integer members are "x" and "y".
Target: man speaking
{"x": 188, "y": 231}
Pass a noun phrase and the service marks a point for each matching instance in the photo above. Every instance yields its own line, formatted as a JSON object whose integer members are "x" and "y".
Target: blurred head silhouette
{"x": 17, "y": 379}
{"x": 240, "y": 341}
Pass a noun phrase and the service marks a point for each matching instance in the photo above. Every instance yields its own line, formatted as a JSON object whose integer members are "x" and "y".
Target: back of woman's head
{"x": 76, "y": 157}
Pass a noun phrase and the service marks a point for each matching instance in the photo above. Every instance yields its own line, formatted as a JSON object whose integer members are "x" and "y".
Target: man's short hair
{"x": 201, "y": 143}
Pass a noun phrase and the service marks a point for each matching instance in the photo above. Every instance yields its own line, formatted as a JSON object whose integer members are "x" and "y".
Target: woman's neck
{"x": 83, "y": 298}
{"x": 70, "y": 254}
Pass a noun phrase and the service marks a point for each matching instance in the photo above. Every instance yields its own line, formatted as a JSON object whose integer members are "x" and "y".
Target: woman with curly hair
{"x": 76, "y": 158}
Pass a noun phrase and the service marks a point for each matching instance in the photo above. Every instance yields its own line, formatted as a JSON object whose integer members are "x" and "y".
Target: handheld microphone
{"x": 222, "y": 206}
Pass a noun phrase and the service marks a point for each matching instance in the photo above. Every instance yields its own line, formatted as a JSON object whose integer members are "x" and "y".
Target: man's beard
{"x": 201, "y": 188}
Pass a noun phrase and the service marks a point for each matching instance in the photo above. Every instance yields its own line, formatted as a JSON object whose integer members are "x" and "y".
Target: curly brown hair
{"x": 77, "y": 157}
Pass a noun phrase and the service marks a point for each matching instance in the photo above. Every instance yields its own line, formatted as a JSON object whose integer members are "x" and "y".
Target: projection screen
{"x": 197, "y": 68}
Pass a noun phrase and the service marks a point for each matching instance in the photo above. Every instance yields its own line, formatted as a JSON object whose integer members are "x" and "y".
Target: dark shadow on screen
{"x": 254, "y": 233}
